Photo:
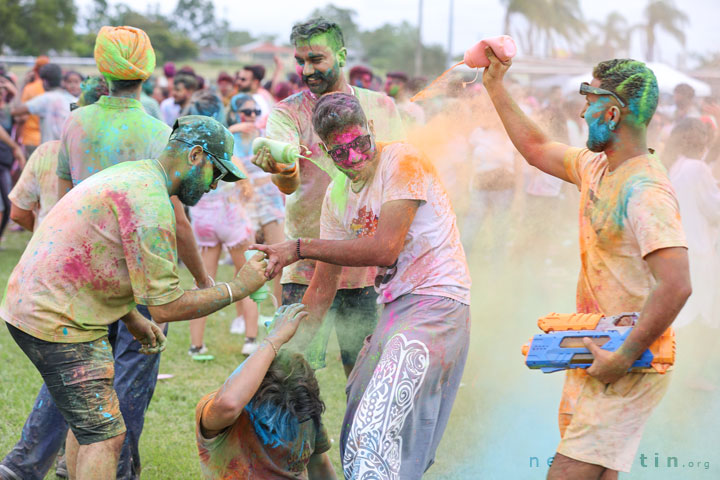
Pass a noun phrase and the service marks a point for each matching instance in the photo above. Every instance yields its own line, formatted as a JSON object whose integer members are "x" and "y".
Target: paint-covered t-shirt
{"x": 106, "y": 246}
{"x": 291, "y": 121}
{"x": 625, "y": 214}
{"x": 53, "y": 108}
{"x": 37, "y": 188}
{"x": 239, "y": 452}
{"x": 110, "y": 131}
{"x": 432, "y": 262}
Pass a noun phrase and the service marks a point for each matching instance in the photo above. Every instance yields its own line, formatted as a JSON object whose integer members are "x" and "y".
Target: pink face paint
{"x": 355, "y": 157}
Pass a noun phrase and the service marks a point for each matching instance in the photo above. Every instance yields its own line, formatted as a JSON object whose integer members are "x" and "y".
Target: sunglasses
{"x": 251, "y": 111}
{"x": 586, "y": 88}
{"x": 219, "y": 170}
{"x": 340, "y": 154}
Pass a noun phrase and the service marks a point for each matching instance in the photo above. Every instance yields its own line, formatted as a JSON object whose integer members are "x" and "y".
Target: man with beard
{"x": 106, "y": 247}
{"x": 250, "y": 81}
{"x": 113, "y": 130}
{"x": 633, "y": 258}
{"x": 184, "y": 86}
{"x": 321, "y": 53}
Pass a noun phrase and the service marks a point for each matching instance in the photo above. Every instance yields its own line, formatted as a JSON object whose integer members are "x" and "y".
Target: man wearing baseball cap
{"x": 113, "y": 130}
{"x": 105, "y": 247}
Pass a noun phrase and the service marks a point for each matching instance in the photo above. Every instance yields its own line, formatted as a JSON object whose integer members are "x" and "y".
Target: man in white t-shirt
{"x": 53, "y": 106}
{"x": 389, "y": 210}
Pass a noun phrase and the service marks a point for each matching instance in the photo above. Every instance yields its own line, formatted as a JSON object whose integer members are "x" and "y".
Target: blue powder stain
{"x": 87, "y": 151}
{"x": 40, "y": 404}
{"x": 107, "y": 415}
{"x": 274, "y": 426}
{"x": 100, "y": 408}
{"x": 177, "y": 174}
{"x": 79, "y": 212}
{"x": 65, "y": 332}
{"x": 97, "y": 395}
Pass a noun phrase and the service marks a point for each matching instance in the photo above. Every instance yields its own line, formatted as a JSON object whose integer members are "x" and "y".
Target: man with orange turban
{"x": 124, "y": 53}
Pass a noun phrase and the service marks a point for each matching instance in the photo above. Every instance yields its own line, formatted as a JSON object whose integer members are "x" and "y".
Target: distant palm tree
{"x": 663, "y": 14}
{"x": 615, "y": 36}
{"x": 547, "y": 20}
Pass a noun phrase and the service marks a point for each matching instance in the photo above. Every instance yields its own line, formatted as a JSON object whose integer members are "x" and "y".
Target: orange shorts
{"x": 603, "y": 423}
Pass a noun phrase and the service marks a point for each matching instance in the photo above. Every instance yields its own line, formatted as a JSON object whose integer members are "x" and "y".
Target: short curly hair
{"x": 335, "y": 111}
{"x": 632, "y": 81}
{"x": 288, "y": 395}
{"x": 317, "y": 26}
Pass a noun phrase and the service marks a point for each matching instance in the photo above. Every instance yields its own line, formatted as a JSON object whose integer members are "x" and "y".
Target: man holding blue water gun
{"x": 633, "y": 256}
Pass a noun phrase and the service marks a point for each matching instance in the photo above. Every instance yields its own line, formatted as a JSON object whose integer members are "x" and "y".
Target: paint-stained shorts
{"x": 79, "y": 377}
{"x": 222, "y": 220}
{"x": 603, "y": 423}
{"x": 268, "y": 205}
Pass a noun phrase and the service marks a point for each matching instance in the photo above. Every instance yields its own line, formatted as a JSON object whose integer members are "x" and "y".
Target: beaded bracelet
{"x": 272, "y": 345}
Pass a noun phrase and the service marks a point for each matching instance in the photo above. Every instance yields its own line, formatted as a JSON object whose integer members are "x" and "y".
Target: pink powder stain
{"x": 78, "y": 271}
{"x": 126, "y": 215}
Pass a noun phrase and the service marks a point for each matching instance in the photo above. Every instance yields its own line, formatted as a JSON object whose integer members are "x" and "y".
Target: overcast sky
{"x": 474, "y": 19}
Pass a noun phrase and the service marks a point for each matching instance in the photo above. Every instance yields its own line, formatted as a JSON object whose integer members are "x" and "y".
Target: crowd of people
{"x": 122, "y": 175}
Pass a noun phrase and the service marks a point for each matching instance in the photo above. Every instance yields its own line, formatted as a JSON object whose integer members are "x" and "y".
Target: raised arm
{"x": 532, "y": 143}
{"x": 240, "y": 387}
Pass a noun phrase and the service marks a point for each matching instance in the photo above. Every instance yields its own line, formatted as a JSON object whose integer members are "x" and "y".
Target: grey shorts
{"x": 79, "y": 377}
{"x": 403, "y": 386}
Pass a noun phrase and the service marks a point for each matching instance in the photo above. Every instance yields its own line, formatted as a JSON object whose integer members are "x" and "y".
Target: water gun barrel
{"x": 282, "y": 152}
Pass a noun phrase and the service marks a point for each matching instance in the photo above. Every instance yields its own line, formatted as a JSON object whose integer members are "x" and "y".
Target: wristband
{"x": 229, "y": 291}
{"x": 272, "y": 345}
{"x": 297, "y": 250}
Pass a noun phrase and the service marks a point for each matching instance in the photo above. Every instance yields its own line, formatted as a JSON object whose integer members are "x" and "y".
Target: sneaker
{"x": 193, "y": 350}
{"x": 238, "y": 325}
{"x": 61, "y": 468}
{"x": 250, "y": 346}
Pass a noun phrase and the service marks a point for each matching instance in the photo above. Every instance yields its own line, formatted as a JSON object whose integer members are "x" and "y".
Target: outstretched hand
{"x": 494, "y": 72}
{"x": 287, "y": 320}
{"x": 607, "y": 366}
{"x": 279, "y": 256}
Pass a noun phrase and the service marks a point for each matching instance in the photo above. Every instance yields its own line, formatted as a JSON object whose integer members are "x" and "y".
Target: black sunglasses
{"x": 219, "y": 170}
{"x": 251, "y": 111}
{"x": 341, "y": 152}
{"x": 586, "y": 88}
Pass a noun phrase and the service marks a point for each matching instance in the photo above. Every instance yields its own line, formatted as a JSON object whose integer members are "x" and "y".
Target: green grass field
{"x": 503, "y": 425}
{"x": 168, "y": 445}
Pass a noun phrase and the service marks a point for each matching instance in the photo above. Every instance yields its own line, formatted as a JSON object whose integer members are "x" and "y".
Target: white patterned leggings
{"x": 402, "y": 388}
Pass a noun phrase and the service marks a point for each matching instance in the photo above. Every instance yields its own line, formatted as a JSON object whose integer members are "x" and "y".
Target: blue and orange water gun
{"x": 561, "y": 346}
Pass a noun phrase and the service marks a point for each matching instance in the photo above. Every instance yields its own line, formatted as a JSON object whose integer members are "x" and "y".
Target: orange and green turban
{"x": 124, "y": 53}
